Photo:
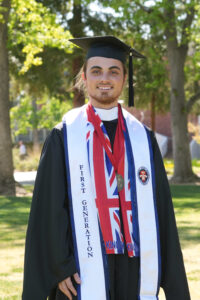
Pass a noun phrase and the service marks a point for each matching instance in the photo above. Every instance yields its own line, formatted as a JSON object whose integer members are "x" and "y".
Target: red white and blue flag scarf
{"x": 114, "y": 207}
{"x": 95, "y": 205}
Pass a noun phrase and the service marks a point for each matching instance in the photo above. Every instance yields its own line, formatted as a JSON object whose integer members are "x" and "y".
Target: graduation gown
{"x": 49, "y": 250}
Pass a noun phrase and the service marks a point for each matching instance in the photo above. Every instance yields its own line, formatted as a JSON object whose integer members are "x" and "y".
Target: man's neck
{"x": 107, "y": 114}
{"x": 102, "y": 105}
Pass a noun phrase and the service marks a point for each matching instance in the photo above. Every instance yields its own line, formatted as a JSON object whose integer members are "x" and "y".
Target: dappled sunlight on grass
{"x": 186, "y": 201}
{"x": 11, "y": 273}
{"x": 14, "y": 212}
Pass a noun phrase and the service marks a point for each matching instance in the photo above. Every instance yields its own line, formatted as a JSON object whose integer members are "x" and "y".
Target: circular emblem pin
{"x": 143, "y": 175}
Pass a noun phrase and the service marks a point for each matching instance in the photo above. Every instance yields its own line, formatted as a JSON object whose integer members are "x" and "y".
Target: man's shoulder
{"x": 67, "y": 117}
{"x": 131, "y": 119}
{"x": 59, "y": 126}
{"x": 136, "y": 124}
{"x": 73, "y": 114}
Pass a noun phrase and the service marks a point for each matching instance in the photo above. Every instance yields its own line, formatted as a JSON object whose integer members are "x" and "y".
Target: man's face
{"x": 104, "y": 80}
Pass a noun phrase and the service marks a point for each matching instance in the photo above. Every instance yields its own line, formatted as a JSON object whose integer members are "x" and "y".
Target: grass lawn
{"x": 14, "y": 213}
{"x": 186, "y": 201}
{"x": 13, "y": 221}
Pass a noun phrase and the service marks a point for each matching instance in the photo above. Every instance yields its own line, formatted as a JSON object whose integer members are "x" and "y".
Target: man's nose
{"x": 105, "y": 76}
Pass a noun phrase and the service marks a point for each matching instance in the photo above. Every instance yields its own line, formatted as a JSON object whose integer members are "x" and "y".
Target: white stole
{"x": 89, "y": 254}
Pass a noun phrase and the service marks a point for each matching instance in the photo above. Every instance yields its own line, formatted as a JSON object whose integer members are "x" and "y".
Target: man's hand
{"x": 67, "y": 287}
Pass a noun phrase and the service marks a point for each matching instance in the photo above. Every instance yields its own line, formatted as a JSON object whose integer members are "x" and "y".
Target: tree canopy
{"x": 43, "y": 64}
{"x": 32, "y": 28}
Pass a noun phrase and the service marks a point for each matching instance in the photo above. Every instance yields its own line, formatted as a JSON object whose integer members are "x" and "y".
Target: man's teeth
{"x": 104, "y": 87}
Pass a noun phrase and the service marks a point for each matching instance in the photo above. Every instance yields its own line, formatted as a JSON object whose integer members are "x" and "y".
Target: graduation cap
{"x": 110, "y": 47}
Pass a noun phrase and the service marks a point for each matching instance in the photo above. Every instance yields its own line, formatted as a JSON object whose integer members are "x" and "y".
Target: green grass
{"x": 187, "y": 211}
{"x": 14, "y": 213}
{"x": 186, "y": 201}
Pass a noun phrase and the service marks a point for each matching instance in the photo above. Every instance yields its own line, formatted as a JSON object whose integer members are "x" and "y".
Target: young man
{"x": 102, "y": 224}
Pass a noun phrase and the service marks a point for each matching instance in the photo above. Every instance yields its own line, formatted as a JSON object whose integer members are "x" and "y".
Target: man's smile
{"x": 104, "y": 88}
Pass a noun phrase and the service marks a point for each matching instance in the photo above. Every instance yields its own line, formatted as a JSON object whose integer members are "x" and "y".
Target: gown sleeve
{"x": 48, "y": 251}
{"x": 173, "y": 277}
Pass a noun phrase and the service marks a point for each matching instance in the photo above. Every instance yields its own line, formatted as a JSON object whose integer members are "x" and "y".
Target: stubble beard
{"x": 104, "y": 98}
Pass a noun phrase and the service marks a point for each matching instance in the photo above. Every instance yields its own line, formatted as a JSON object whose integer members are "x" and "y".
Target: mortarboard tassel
{"x": 131, "y": 90}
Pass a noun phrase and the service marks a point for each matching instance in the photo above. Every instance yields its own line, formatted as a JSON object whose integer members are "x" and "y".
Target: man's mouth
{"x": 104, "y": 88}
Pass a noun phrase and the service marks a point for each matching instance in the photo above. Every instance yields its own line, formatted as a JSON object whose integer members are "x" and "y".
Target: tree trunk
{"x": 76, "y": 29}
{"x": 7, "y": 184}
{"x": 36, "y": 143}
{"x": 180, "y": 142}
{"x": 177, "y": 52}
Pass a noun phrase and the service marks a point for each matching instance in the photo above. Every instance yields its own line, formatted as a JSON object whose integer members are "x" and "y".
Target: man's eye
{"x": 114, "y": 72}
{"x": 95, "y": 72}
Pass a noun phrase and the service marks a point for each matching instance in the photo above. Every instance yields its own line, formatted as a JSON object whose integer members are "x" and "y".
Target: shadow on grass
{"x": 184, "y": 204}
{"x": 186, "y": 197}
{"x": 186, "y": 201}
{"x": 14, "y": 210}
{"x": 14, "y": 213}
{"x": 189, "y": 236}
{"x": 185, "y": 191}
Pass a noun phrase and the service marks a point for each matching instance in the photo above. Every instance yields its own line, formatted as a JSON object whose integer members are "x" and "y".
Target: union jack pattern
{"x": 116, "y": 229}
{"x": 111, "y": 207}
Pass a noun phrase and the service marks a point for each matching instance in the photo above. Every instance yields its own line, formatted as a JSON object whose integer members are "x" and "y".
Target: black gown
{"x": 49, "y": 249}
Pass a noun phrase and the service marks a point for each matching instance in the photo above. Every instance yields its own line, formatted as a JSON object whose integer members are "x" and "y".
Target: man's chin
{"x": 105, "y": 99}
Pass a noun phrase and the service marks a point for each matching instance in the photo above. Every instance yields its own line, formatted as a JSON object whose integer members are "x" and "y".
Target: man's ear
{"x": 83, "y": 76}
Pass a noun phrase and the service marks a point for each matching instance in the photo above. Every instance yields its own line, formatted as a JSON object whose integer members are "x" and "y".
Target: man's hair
{"x": 79, "y": 83}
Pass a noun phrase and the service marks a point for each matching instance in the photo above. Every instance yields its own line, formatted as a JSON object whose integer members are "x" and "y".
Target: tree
{"x": 7, "y": 185}
{"x": 81, "y": 21}
{"x": 32, "y": 27}
{"x": 76, "y": 28}
{"x": 32, "y": 114}
{"x": 172, "y": 22}
{"x": 177, "y": 55}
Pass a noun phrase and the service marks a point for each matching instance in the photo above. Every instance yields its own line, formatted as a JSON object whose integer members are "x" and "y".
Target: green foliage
{"x": 192, "y": 66}
{"x": 21, "y": 114}
{"x": 38, "y": 47}
{"x": 131, "y": 24}
{"x": 2, "y": 11}
{"x": 31, "y": 28}
{"x": 30, "y": 163}
{"x": 51, "y": 111}
{"x": 146, "y": 23}
{"x": 35, "y": 114}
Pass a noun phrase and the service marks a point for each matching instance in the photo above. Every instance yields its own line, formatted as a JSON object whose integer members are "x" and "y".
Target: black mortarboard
{"x": 110, "y": 47}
